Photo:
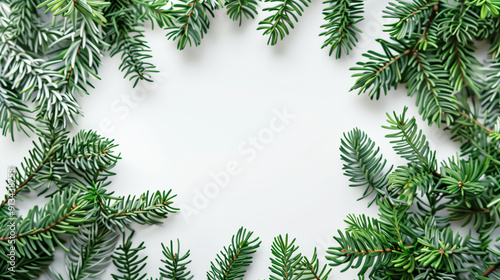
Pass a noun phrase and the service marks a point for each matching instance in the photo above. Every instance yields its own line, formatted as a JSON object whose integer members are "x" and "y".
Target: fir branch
{"x": 443, "y": 250}
{"x": 154, "y": 11}
{"x": 29, "y": 176}
{"x": 384, "y": 71}
{"x": 26, "y": 268}
{"x": 90, "y": 251}
{"x": 236, "y": 9}
{"x": 127, "y": 260}
{"x": 28, "y": 29}
{"x": 88, "y": 155}
{"x": 311, "y": 269}
{"x": 191, "y": 22}
{"x": 75, "y": 8}
{"x": 362, "y": 164}
{"x": 341, "y": 17}
{"x": 412, "y": 17}
{"x": 13, "y": 113}
{"x": 489, "y": 8}
{"x": 428, "y": 80}
{"x": 365, "y": 242}
{"x": 490, "y": 95}
{"x": 230, "y": 263}
{"x": 490, "y": 270}
{"x": 457, "y": 26}
{"x": 145, "y": 209}
{"x": 285, "y": 12}
{"x": 28, "y": 77}
{"x": 41, "y": 230}
{"x": 123, "y": 37}
{"x": 175, "y": 263}
{"x": 462, "y": 179}
{"x": 410, "y": 143}
{"x": 405, "y": 181}
{"x": 285, "y": 264}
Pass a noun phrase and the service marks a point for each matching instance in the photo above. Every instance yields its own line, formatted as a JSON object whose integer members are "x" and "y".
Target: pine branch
{"x": 41, "y": 230}
{"x": 429, "y": 81}
{"x": 29, "y": 176}
{"x": 457, "y": 26}
{"x": 191, "y": 22}
{"x": 364, "y": 242}
{"x": 154, "y": 11}
{"x": 123, "y": 37}
{"x": 175, "y": 263}
{"x": 74, "y": 8}
{"x": 26, "y": 268}
{"x": 362, "y": 164}
{"x": 410, "y": 143}
{"x": 412, "y": 17}
{"x": 13, "y": 113}
{"x": 341, "y": 17}
{"x": 232, "y": 261}
{"x": 311, "y": 269}
{"x": 405, "y": 181}
{"x": 285, "y": 12}
{"x": 90, "y": 251}
{"x": 128, "y": 262}
{"x": 462, "y": 179}
{"x": 146, "y": 209}
{"x": 236, "y": 9}
{"x": 285, "y": 264}
{"x": 384, "y": 71}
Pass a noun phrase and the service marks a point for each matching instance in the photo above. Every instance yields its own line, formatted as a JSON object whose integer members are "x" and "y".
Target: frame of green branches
{"x": 46, "y": 59}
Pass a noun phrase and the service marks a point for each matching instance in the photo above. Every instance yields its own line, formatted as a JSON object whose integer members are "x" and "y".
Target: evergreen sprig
{"x": 175, "y": 263}
{"x": 341, "y": 31}
{"x": 236, "y": 9}
{"x": 283, "y": 15}
{"x": 363, "y": 164}
{"x": 286, "y": 261}
{"x": 191, "y": 22}
{"x": 232, "y": 261}
{"x": 127, "y": 260}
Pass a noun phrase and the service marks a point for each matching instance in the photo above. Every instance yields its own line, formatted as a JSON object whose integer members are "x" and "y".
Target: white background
{"x": 209, "y": 101}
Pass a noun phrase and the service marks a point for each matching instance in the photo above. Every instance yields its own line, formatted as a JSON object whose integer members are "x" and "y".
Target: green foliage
{"x": 409, "y": 242}
{"x": 236, "y": 9}
{"x": 75, "y": 171}
{"x": 128, "y": 262}
{"x": 383, "y": 71}
{"x": 409, "y": 142}
{"x": 90, "y": 251}
{"x": 311, "y": 269}
{"x": 488, "y": 7}
{"x": 341, "y": 17}
{"x": 191, "y": 22}
{"x": 175, "y": 263}
{"x": 230, "y": 263}
{"x": 284, "y": 14}
{"x": 125, "y": 38}
{"x": 286, "y": 262}
{"x": 47, "y": 60}
{"x": 363, "y": 164}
